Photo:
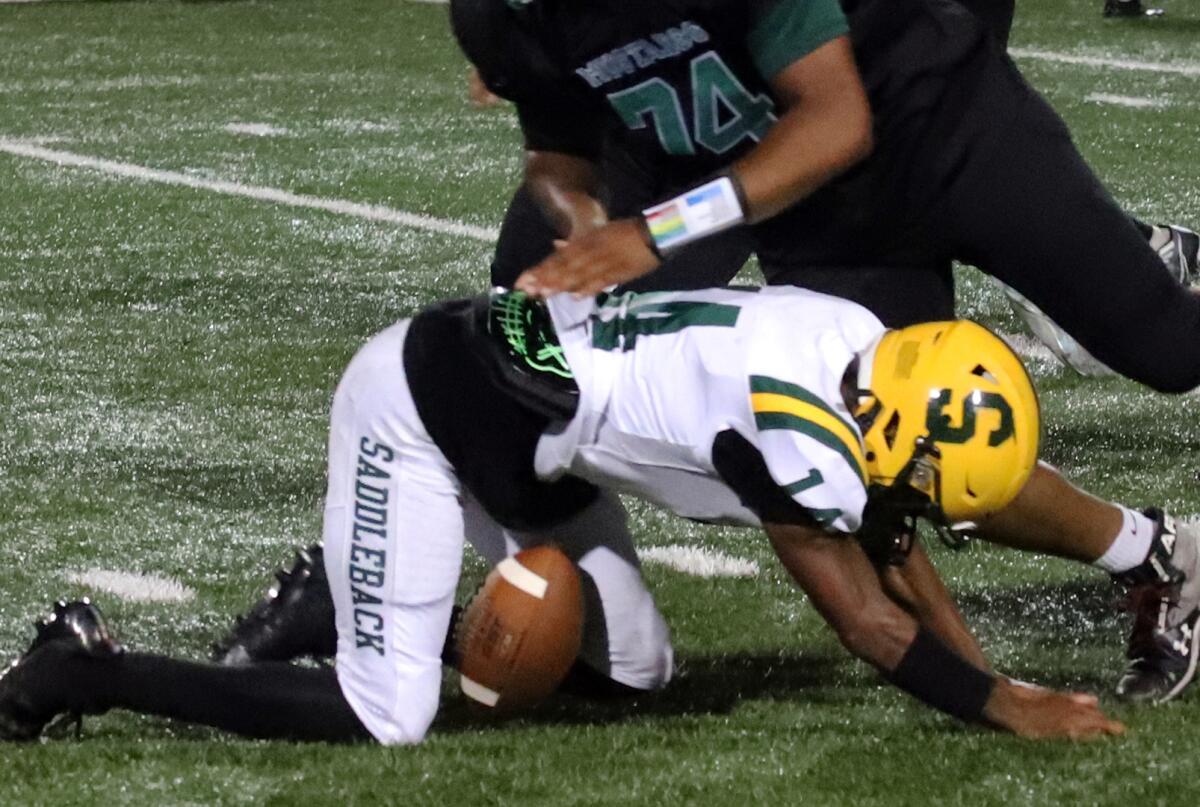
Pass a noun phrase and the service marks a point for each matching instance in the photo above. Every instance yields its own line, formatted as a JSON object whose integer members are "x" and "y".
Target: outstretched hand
{"x": 613, "y": 254}
{"x": 1037, "y": 713}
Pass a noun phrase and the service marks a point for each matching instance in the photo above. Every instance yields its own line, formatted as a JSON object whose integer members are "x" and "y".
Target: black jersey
{"x": 681, "y": 85}
{"x": 682, "y": 88}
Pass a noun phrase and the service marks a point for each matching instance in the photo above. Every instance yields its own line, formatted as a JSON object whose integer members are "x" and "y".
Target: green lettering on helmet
{"x": 938, "y": 422}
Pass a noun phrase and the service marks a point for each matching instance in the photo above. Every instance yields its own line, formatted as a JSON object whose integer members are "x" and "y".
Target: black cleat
{"x": 74, "y": 628}
{"x": 1181, "y": 254}
{"x": 1165, "y": 598}
{"x": 294, "y": 619}
{"x": 1130, "y": 8}
{"x": 1161, "y": 662}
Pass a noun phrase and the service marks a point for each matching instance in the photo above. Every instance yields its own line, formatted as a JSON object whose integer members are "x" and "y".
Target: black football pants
{"x": 1025, "y": 208}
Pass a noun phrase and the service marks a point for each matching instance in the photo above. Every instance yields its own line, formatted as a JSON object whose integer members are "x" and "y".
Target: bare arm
{"x": 825, "y": 129}
{"x": 841, "y": 582}
{"x": 845, "y": 589}
{"x": 917, "y": 587}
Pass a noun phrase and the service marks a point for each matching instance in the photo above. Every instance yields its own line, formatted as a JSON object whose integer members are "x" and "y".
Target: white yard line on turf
{"x": 255, "y": 129}
{"x": 1181, "y": 69}
{"x": 698, "y": 561}
{"x": 1134, "y": 102}
{"x": 132, "y": 586}
{"x": 260, "y": 193}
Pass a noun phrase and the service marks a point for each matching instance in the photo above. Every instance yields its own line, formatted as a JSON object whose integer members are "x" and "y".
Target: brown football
{"x": 522, "y": 631}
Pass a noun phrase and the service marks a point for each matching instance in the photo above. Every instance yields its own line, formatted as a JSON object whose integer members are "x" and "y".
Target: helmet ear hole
{"x": 890, "y": 430}
{"x": 983, "y": 373}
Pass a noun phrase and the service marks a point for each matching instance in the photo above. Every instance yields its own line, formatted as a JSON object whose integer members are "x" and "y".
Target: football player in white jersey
{"x": 479, "y": 419}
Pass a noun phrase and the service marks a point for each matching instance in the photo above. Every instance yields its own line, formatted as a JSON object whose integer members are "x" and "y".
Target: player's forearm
{"x": 803, "y": 151}
{"x": 844, "y": 587}
{"x": 918, "y": 588}
{"x": 825, "y": 129}
{"x": 836, "y": 575}
{"x": 567, "y": 189}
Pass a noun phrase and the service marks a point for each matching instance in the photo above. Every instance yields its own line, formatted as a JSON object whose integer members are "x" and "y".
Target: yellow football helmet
{"x": 948, "y": 409}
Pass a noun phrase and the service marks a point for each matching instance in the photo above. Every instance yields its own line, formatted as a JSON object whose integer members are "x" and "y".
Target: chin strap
{"x": 890, "y": 519}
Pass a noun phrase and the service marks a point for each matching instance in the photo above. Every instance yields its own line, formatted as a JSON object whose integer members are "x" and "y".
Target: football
{"x": 520, "y": 634}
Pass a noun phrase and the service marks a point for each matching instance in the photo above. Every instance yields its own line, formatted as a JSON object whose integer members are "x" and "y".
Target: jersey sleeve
{"x": 785, "y": 31}
{"x": 811, "y": 450}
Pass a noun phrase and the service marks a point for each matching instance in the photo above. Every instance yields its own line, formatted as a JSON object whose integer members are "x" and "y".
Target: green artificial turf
{"x": 167, "y": 356}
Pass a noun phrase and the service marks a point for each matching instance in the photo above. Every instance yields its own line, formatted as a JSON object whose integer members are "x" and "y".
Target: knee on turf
{"x": 407, "y": 724}
{"x": 645, "y": 658}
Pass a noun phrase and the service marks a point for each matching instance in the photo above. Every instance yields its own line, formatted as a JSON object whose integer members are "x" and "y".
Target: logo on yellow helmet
{"x": 938, "y": 422}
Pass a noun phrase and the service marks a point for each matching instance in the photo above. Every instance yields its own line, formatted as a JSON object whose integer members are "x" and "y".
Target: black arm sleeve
{"x": 564, "y": 127}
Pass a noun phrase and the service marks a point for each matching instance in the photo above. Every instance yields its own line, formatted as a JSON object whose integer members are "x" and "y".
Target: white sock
{"x": 1131, "y": 546}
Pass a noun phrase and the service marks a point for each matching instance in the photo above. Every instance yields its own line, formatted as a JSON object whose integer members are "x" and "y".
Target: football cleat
{"x": 1130, "y": 8}
{"x": 74, "y": 628}
{"x": 1161, "y": 662}
{"x": 1165, "y": 599}
{"x": 294, "y": 619}
{"x": 1181, "y": 253}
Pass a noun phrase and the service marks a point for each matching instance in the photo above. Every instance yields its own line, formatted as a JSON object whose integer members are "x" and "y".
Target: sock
{"x": 269, "y": 701}
{"x": 1145, "y": 229}
{"x": 1131, "y": 546}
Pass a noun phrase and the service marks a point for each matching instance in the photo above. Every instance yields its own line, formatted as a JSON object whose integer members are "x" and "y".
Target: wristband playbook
{"x": 698, "y": 213}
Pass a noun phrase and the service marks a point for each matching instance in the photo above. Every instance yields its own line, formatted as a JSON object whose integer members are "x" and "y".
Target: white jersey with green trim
{"x": 661, "y": 375}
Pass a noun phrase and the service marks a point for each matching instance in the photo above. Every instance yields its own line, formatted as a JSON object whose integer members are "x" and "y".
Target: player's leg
{"x": 393, "y": 544}
{"x": 898, "y": 295}
{"x": 997, "y": 18}
{"x": 996, "y": 15}
{"x": 626, "y": 639}
{"x": 75, "y": 667}
{"x": 1025, "y": 208}
{"x": 1147, "y": 552}
{"x": 1177, "y": 247}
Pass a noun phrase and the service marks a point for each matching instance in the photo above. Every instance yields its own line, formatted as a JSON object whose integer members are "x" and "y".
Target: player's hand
{"x": 478, "y": 93}
{"x": 1037, "y": 713}
{"x": 613, "y": 254}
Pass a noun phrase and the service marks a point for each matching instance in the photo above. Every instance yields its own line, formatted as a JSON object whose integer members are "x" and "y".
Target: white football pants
{"x": 395, "y": 520}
